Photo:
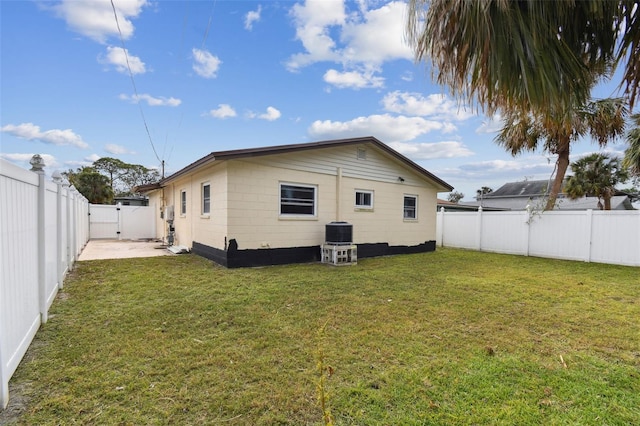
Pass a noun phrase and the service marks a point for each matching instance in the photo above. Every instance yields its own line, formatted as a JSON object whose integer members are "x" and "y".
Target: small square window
{"x": 364, "y": 199}
{"x": 206, "y": 198}
{"x": 410, "y": 207}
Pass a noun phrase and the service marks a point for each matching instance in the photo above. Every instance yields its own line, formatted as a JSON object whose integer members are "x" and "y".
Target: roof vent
{"x": 362, "y": 154}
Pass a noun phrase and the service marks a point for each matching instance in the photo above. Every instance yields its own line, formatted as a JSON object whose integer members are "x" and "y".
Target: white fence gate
{"x": 121, "y": 222}
{"x": 584, "y": 235}
{"x": 43, "y": 228}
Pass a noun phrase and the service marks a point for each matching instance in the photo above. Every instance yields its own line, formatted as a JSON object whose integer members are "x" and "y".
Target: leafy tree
{"x": 112, "y": 167}
{"x": 632, "y": 153}
{"x": 526, "y": 55}
{"x": 603, "y": 120}
{"x": 94, "y": 186}
{"x": 123, "y": 177}
{"x": 482, "y": 191}
{"x": 137, "y": 175}
{"x": 455, "y": 196}
{"x": 595, "y": 175}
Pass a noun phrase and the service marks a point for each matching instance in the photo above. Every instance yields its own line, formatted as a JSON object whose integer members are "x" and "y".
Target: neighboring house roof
{"x": 451, "y": 206}
{"x": 281, "y": 149}
{"x": 517, "y": 195}
{"x": 525, "y": 189}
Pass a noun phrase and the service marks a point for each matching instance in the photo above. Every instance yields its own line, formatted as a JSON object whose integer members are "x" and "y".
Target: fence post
{"x": 479, "y": 229}
{"x": 57, "y": 178}
{"x": 589, "y": 232}
{"x": 74, "y": 224}
{"x": 527, "y": 219}
{"x": 439, "y": 227}
{"x": 69, "y": 230}
{"x": 37, "y": 166}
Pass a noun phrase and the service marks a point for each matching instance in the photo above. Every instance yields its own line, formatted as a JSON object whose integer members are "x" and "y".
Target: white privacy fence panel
{"x": 456, "y": 229}
{"x": 43, "y": 228}
{"x": 103, "y": 221}
{"x": 122, "y": 222}
{"x": 586, "y": 235}
{"x": 607, "y": 233}
{"x": 495, "y": 228}
{"x": 560, "y": 235}
{"x": 138, "y": 222}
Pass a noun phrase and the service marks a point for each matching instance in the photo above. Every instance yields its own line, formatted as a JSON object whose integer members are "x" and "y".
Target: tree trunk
{"x": 607, "y": 199}
{"x": 563, "y": 165}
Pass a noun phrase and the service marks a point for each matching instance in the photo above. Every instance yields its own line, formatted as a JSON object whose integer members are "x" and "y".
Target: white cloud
{"x": 313, "y": 21}
{"x": 352, "y": 79}
{"x": 251, "y": 17}
{"x": 117, "y": 149}
{"x": 358, "y": 40}
{"x": 23, "y": 159}
{"x": 272, "y": 114}
{"x": 119, "y": 57}
{"x": 431, "y": 151}
{"x": 91, "y": 159}
{"x": 386, "y": 127}
{"x": 491, "y": 125}
{"x": 205, "y": 64}
{"x": 407, "y": 76}
{"x": 434, "y": 106}
{"x": 378, "y": 35}
{"x": 223, "y": 111}
{"x": 30, "y": 131}
{"x": 151, "y": 100}
{"x": 534, "y": 167}
{"x": 95, "y": 18}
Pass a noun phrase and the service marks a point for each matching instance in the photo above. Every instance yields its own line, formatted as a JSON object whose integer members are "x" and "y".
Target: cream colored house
{"x": 270, "y": 205}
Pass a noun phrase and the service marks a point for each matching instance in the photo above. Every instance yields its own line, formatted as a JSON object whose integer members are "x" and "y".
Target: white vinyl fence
{"x": 43, "y": 228}
{"x": 584, "y": 235}
{"x": 122, "y": 222}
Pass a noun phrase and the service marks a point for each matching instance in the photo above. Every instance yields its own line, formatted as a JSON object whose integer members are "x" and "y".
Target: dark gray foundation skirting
{"x": 235, "y": 258}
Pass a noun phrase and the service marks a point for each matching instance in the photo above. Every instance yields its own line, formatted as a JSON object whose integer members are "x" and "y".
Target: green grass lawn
{"x": 450, "y": 337}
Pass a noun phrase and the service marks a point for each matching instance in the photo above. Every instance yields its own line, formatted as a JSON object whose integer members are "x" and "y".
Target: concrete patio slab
{"x": 123, "y": 249}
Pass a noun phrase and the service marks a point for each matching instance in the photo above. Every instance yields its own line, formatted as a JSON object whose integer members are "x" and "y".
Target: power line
{"x": 133, "y": 83}
{"x": 206, "y": 32}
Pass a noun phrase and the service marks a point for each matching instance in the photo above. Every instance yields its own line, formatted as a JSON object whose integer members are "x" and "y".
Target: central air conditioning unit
{"x": 338, "y": 248}
{"x": 338, "y": 233}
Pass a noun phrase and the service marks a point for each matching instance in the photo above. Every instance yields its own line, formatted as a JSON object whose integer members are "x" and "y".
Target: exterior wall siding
{"x": 254, "y": 199}
{"x": 245, "y": 200}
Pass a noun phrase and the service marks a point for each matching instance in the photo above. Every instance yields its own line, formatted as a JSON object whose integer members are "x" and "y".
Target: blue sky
{"x": 218, "y": 75}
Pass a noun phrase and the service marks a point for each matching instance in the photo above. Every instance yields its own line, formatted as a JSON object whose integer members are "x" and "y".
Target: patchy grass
{"x": 451, "y": 337}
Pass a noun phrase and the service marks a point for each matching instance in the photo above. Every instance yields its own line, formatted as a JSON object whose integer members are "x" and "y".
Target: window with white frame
{"x": 364, "y": 199}
{"x": 411, "y": 207}
{"x": 297, "y": 199}
{"x": 206, "y": 198}
{"x": 183, "y": 202}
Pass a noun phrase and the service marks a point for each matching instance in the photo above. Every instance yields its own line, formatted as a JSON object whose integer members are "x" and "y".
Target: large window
{"x": 410, "y": 207}
{"x": 297, "y": 200}
{"x": 206, "y": 198}
{"x": 183, "y": 202}
{"x": 364, "y": 199}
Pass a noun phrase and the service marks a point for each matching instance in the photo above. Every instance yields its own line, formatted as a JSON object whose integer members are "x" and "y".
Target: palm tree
{"x": 632, "y": 154}
{"x": 528, "y": 54}
{"x": 603, "y": 120}
{"x": 596, "y": 175}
